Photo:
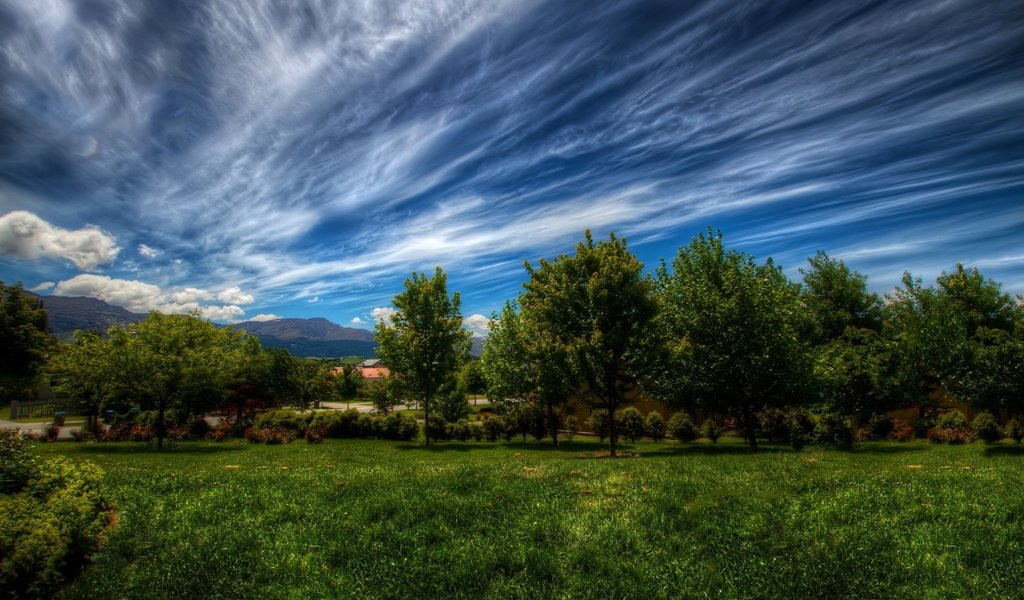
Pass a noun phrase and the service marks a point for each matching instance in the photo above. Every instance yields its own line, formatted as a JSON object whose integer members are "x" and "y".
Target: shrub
{"x": 315, "y": 434}
{"x": 338, "y": 424}
{"x": 572, "y": 426}
{"x": 288, "y": 419}
{"x": 220, "y": 432}
{"x": 712, "y": 430}
{"x": 494, "y": 427}
{"x": 655, "y": 425}
{"x": 632, "y": 423}
{"x": 951, "y": 419}
{"x": 923, "y": 425}
{"x": 951, "y": 435}
{"x": 399, "y": 426}
{"x": 198, "y": 427}
{"x": 141, "y": 433}
{"x": 986, "y": 428}
{"x": 437, "y": 428}
{"x": 52, "y": 517}
{"x": 835, "y": 430}
{"x": 459, "y": 430}
{"x": 1014, "y": 430}
{"x": 369, "y": 426}
{"x": 880, "y": 426}
{"x": 270, "y": 435}
{"x": 797, "y": 437}
{"x": 476, "y": 431}
{"x": 774, "y": 424}
{"x": 681, "y": 427}
{"x": 80, "y": 435}
{"x": 598, "y": 423}
{"x": 901, "y": 431}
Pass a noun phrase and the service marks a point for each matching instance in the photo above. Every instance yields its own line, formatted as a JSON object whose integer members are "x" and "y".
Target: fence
{"x": 44, "y": 408}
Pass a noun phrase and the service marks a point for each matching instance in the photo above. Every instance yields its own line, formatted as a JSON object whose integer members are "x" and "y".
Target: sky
{"x": 295, "y": 158}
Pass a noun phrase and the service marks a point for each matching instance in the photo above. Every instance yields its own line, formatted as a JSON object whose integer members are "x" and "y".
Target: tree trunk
{"x": 554, "y": 425}
{"x": 160, "y": 428}
{"x": 748, "y": 425}
{"x": 613, "y": 434}
{"x": 426, "y": 420}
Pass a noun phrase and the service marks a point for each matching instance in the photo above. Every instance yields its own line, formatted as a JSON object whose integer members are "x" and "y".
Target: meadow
{"x": 378, "y": 519}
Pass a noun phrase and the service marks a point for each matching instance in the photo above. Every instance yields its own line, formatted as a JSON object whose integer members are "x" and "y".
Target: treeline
{"x": 718, "y": 332}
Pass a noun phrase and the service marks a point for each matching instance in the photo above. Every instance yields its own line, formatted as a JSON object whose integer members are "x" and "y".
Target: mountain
{"x": 66, "y": 314}
{"x": 312, "y": 337}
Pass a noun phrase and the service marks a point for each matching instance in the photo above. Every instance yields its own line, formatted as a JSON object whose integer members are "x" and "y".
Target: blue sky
{"x": 302, "y": 158}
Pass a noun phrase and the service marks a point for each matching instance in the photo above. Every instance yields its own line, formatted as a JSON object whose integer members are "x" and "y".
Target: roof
{"x": 375, "y": 373}
{"x": 370, "y": 362}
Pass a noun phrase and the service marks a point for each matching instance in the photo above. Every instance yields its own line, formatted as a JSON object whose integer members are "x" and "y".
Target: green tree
{"x": 837, "y": 298}
{"x": 82, "y": 371}
{"x": 734, "y": 331}
{"x": 385, "y": 394}
{"x": 426, "y": 344}
{"x": 313, "y": 383}
{"x": 348, "y": 383}
{"x": 472, "y": 379}
{"x": 26, "y": 343}
{"x": 172, "y": 361}
{"x": 594, "y": 314}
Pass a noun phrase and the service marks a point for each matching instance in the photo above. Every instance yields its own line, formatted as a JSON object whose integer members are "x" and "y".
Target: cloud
{"x": 24, "y": 235}
{"x": 235, "y": 296}
{"x": 478, "y": 324}
{"x": 141, "y": 297}
{"x": 356, "y": 321}
{"x": 264, "y": 317}
{"x": 42, "y": 287}
{"x": 148, "y": 252}
{"x": 383, "y": 313}
{"x": 314, "y": 300}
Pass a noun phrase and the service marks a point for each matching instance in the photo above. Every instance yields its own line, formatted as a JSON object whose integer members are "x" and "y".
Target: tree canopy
{"x": 26, "y": 343}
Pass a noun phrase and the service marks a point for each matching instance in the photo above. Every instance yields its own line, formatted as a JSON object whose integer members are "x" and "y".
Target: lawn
{"x": 374, "y": 519}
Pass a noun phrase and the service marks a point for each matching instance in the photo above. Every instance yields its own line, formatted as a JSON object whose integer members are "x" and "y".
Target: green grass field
{"x": 369, "y": 519}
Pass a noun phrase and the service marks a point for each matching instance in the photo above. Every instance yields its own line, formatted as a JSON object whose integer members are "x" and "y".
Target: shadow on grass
{"x": 890, "y": 449}
{"x": 710, "y": 450}
{"x": 1015, "y": 450}
{"x": 119, "y": 448}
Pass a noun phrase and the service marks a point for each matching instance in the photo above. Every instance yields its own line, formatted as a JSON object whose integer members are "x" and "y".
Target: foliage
{"x": 52, "y": 517}
{"x": 880, "y": 426}
{"x": 1014, "y": 430}
{"x": 451, "y": 402}
{"x": 837, "y": 299}
{"x": 735, "y": 332}
{"x": 594, "y": 314}
{"x": 26, "y": 343}
{"x": 348, "y": 383}
{"x": 312, "y": 382}
{"x": 472, "y": 379}
{"x": 426, "y": 344}
{"x": 681, "y": 427}
{"x": 712, "y": 430}
{"x": 270, "y": 435}
{"x": 598, "y": 422}
{"x": 572, "y": 426}
{"x": 986, "y": 428}
{"x": 951, "y": 419}
{"x": 952, "y": 435}
{"x": 494, "y": 427}
{"x": 400, "y": 426}
{"x": 901, "y": 431}
{"x": 631, "y": 423}
{"x": 655, "y": 425}
{"x": 284, "y": 418}
{"x": 834, "y": 430}
{"x": 385, "y": 394}
{"x": 436, "y": 428}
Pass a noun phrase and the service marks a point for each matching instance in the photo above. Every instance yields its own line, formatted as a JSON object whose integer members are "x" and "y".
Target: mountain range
{"x": 315, "y": 337}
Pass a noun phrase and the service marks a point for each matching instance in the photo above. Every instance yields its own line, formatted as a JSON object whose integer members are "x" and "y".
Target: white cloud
{"x": 383, "y": 313}
{"x": 478, "y": 324}
{"x": 42, "y": 287}
{"x": 141, "y": 297}
{"x": 25, "y": 235}
{"x": 265, "y": 317}
{"x": 356, "y": 321}
{"x": 147, "y": 251}
{"x": 235, "y": 296}
{"x": 314, "y": 299}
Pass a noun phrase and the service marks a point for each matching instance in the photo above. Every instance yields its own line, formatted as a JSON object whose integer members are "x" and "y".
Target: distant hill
{"x": 312, "y": 337}
{"x": 66, "y": 314}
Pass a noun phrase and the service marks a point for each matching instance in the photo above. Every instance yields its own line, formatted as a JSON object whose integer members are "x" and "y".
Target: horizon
{"x": 270, "y": 160}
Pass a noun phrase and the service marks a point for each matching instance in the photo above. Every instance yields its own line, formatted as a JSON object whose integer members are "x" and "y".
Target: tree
{"x": 734, "y": 329}
{"x": 472, "y": 379}
{"x": 348, "y": 383}
{"x": 172, "y": 361}
{"x": 385, "y": 394}
{"x": 312, "y": 382}
{"x": 838, "y": 298}
{"x": 593, "y": 315}
{"x": 83, "y": 374}
{"x": 26, "y": 343}
{"x": 426, "y": 343}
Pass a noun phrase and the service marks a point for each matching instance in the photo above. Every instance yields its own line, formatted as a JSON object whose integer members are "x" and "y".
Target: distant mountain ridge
{"x": 315, "y": 337}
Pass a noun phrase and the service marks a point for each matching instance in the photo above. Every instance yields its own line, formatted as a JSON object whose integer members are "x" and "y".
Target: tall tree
{"x": 348, "y": 383}
{"x": 26, "y": 343}
{"x": 735, "y": 331}
{"x": 472, "y": 379}
{"x": 425, "y": 344}
{"x": 594, "y": 314}
{"x": 837, "y": 298}
{"x": 83, "y": 374}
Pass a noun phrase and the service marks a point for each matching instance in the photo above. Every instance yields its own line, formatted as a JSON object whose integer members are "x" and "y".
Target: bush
{"x": 399, "y": 426}
{"x": 632, "y": 423}
{"x": 476, "y": 431}
{"x": 459, "y": 430}
{"x": 315, "y": 434}
{"x": 681, "y": 427}
{"x": 572, "y": 426}
{"x": 198, "y": 427}
{"x": 774, "y": 424}
{"x": 951, "y": 435}
{"x": 369, "y": 426}
{"x": 288, "y": 419}
{"x": 987, "y": 428}
{"x": 494, "y": 428}
{"x": 52, "y": 517}
{"x": 880, "y": 426}
{"x": 598, "y": 423}
{"x": 270, "y": 435}
{"x": 1014, "y": 430}
{"x": 712, "y": 430}
{"x": 437, "y": 428}
{"x": 220, "y": 432}
{"x": 901, "y": 431}
{"x": 338, "y": 424}
{"x": 80, "y": 435}
{"x": 835, "y": 430}
{"x": 923, "y": 425}
{"x": 952, "y": 419}
{"x": 655, "y": 425}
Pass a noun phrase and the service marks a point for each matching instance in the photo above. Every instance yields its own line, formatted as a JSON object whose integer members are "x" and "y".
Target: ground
{"x": 375, "y": 519}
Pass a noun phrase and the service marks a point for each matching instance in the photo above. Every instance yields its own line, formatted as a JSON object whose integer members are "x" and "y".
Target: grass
{"x": 371, "y": 519}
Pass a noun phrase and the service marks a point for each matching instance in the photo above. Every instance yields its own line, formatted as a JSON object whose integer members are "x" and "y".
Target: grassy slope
{"x": 353, "y": 519}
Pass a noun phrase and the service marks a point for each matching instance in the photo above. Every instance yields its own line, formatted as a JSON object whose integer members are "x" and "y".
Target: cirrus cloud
{"x": 25, "y": 235}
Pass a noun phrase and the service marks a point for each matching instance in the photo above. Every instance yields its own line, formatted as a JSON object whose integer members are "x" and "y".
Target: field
{"x": 369, "y": 519}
